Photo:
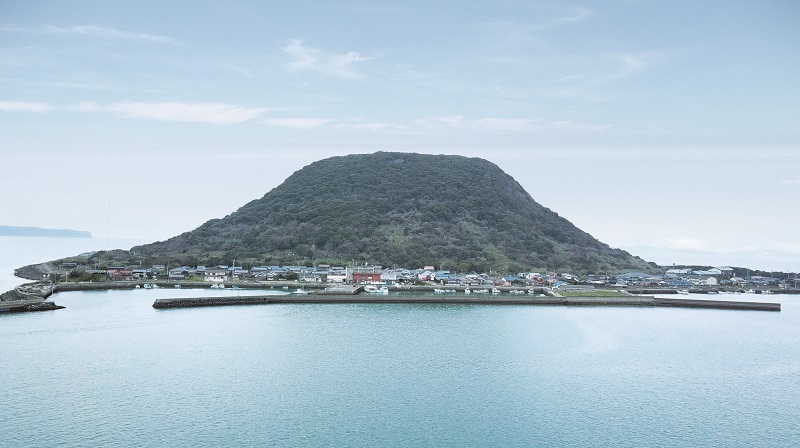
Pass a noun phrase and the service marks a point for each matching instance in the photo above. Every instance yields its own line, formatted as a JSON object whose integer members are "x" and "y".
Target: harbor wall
{"x": 625, "y": 301}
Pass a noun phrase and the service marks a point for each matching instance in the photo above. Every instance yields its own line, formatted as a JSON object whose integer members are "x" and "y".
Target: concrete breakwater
{"x": 13, "y": 306}
{"x": 465, "y": 300}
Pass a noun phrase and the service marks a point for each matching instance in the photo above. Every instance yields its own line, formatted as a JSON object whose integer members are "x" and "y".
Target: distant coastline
{"x": 43, "y": 233}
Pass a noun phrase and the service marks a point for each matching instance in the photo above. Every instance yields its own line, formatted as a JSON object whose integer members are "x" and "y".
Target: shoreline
{"x": 32, "y": 296}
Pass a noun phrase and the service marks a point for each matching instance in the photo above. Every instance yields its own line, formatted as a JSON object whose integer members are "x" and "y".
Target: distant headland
{"x": 43, "y": 233}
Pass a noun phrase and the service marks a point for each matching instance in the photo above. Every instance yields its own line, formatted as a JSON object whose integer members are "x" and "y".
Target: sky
{"x": 670, "y": 129}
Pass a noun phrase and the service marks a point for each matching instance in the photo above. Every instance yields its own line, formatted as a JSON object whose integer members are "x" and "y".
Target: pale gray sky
{"x": 666, "y": 128}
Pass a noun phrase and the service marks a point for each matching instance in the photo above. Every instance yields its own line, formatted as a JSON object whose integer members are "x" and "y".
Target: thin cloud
{"x": 578, "y": 14}
{"x": 371, "y": 126}
{"x": 24, "y": 106}
{"x": 453, "y": 121}
{"x": 375, "y": 126}
{"x": 572, "y": 126}
{"x": 581, "y": 76}
{"x": 528, "y": 33}
{"x": 298, "y": 123}
{"x": 624, "y": 65}
{"x": 210, "y": 113}
{"x": 105, "y": 32}
{"x": 791, "y": 181}
{"x": 508, "y": 124}
{"x": 315, "y": 60}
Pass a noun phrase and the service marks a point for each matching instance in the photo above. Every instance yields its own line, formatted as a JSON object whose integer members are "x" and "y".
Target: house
{"x": 710, "y": 281}
{"x": 336, "y": 276}
{"x": 96, "y": 274}
{"x": 359, "y": 278}
{"x": 456, "y": 280}
{"x": 712, "y": 271}
{"x": 119, "y": 273}
{"x": 390, "y": 278}
{"x": 309, "y": 277}
{"x": 427, "y": 276}
{"x": 139, "y": 273}
{"x": 364, "y": 275}
{"x": 216, "y": 275}
{"x": 678, "y": 283}
{"x": 738, "y": 281}
{"x": 632, "y": 277}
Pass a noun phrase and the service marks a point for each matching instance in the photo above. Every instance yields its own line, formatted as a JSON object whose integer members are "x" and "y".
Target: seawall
{"x": 466, "y": 300}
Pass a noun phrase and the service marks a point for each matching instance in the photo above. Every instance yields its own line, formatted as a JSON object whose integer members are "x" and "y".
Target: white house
{"x": 216, "y": 275}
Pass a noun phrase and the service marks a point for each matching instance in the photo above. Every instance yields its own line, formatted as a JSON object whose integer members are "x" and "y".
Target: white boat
{"x": 177, "y": 286}
{"x": 300, "y": 292}
{"x": 495, "y": 291}
{"x": 217, "y": 286}
{"x": 683, "y": 291}
{"x": 467, "y": 291}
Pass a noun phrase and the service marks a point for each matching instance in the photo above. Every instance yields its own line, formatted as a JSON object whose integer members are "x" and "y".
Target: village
{"x": 673, "y": 278}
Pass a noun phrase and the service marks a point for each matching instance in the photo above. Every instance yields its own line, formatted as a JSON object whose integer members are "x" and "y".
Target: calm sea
{"x": 110, "y": 371}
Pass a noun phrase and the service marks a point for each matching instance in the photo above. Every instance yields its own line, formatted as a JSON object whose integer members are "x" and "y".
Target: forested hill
{"x": 397, "y": 209}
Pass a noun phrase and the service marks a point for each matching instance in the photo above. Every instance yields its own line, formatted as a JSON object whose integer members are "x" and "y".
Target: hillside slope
{"x": 454, "y": 212}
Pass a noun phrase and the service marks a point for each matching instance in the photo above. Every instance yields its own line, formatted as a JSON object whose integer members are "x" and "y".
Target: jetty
{"x": 12, "y": 306}
{"x": 29, "y": 297}
{"x": 625, "y": 301}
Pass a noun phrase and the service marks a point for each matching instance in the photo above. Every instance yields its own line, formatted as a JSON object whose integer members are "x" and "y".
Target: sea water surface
{"x": 111, "y": 371}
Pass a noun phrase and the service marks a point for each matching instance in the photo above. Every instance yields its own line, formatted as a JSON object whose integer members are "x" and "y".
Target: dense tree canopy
{"x": 453, "y": 212}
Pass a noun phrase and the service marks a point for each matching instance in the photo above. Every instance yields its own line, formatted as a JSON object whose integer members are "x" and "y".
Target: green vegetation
{"x": 395, "y": 209}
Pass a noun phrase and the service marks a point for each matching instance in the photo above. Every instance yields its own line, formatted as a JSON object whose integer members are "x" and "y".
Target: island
{"x": 43, "y": 233}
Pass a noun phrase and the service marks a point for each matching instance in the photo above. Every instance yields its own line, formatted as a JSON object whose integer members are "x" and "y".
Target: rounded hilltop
{"x": 397, "y": 209}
